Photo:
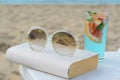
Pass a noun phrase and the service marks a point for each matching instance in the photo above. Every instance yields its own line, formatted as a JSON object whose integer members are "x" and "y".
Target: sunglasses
{"x": 63, "y": 42}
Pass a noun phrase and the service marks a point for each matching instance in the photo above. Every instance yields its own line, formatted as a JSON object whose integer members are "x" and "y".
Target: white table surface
{"x": 109, "y": 69}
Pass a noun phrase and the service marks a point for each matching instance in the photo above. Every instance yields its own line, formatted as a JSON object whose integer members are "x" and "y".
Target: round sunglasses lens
{"x": 64, "y": 43}
{"x": 37, "y": 39}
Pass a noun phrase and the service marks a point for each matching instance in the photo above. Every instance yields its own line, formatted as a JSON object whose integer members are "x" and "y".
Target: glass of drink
{"x": 95, "y": 32}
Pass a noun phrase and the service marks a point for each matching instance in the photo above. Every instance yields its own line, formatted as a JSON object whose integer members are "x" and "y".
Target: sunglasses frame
{"x": 50, "y": 37}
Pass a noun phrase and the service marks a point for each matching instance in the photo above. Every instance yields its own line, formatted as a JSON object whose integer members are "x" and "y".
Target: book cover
{"x": 53, "y": 63}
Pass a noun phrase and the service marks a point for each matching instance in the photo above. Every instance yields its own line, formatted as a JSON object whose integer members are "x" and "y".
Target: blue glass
{"x": 96, "y": 47}
{"x": 93, "y": 46}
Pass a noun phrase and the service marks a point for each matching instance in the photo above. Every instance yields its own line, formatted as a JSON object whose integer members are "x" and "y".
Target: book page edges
{"x": 82, "y": 66}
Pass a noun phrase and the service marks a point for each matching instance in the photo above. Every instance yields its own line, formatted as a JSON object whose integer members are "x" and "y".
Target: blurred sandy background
{"x": 15, "y": 21}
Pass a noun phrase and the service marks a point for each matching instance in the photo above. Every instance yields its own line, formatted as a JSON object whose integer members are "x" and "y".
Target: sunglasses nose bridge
{"x": 49, "y": 37}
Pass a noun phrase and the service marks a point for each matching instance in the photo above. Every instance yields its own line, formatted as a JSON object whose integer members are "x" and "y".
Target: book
{"x": 32, "y": 74}
{"x": 49, "y": 61}
{"x": 106, "y": 70}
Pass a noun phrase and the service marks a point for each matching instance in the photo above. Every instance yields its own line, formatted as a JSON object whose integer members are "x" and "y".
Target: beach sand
{"x": 16, "y": 20}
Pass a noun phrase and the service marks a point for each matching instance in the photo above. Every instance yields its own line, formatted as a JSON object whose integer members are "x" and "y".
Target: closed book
{"x": 32, "y": 74}
{"x": 106, "y": 70}
{"x": 49, "y": 61}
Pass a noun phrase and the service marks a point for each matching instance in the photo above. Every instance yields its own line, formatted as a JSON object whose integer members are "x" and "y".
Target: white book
{"x": 53, "y": 63}
{"x": 31, "y": 74}
{"x": 109, "y": 69}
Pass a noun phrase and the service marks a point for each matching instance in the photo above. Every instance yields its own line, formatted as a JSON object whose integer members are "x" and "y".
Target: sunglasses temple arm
{"x": 79, "y": 44}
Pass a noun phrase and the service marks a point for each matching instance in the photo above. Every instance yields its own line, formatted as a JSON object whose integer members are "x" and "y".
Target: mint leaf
{"x": 94, "y": 13}
{"x": 90, "y": 19}
{"x": 91, "y": 13}
{"x": 100, "y": 26}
